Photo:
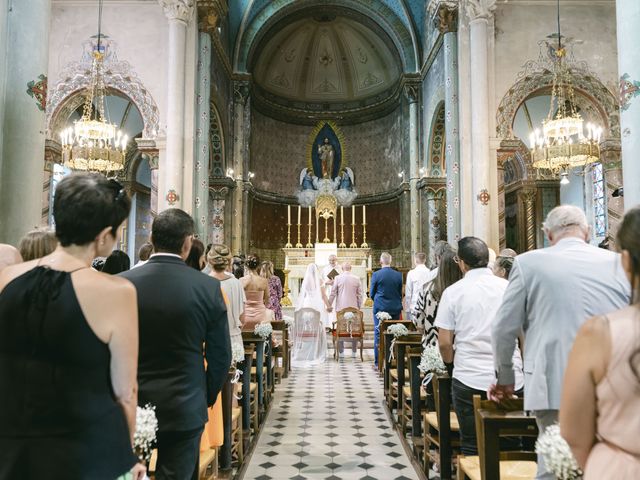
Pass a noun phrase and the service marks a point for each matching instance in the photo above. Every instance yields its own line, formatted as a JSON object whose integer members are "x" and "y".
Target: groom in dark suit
{"x": 386, "y": 292}
{"x": 181, "y": 315}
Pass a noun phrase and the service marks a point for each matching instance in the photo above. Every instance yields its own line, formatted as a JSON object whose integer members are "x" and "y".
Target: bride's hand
{"x": 138, "y": 472}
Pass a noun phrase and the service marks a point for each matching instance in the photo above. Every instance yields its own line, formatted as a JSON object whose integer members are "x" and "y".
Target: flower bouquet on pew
{"x": 431, "y": 363}
{"x": 144, "y": 437}
{"x": 557, "y": 454}
{"x": 398, "y": 330}
{"x": 382, "y": 316}
{"x": 263, "y": 330}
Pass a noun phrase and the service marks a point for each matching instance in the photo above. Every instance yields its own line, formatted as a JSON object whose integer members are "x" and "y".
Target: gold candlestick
{"x": 353, "y": 236}
{"x": 309, "y": 244}
{"x": 298, "y": 245}
{"x": 326, "y": 231}
{"x": 288, "y": 245}
{"x": 286, "y": 301}
{"x": 342, "y": 244}
{"x": 364, "y": 236}
{"x": 368, "y": 302}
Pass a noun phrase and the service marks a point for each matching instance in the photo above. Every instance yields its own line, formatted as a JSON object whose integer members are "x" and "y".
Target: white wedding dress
{"x": 308, "y": 331}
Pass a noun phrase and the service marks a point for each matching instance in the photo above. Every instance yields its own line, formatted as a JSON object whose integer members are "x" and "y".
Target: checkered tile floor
{"x": 329, "y": 423}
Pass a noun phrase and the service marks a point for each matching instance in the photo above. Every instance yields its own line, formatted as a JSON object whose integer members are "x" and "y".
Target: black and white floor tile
{"x": 329, "y": 423}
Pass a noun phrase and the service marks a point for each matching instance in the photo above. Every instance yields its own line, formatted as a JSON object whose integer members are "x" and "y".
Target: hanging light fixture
{"x": 93, "y": 144}
{"x": 564, "y": 142}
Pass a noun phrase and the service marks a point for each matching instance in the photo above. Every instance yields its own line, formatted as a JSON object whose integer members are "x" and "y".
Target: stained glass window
{"x": 599, "y": 207}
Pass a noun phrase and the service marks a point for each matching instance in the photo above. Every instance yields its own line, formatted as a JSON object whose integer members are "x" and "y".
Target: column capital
{"x": 479, "y": 9}
{"x": 412, "y": 92}
{"x": 241, "y": 91}
{"x": 528, "y": 193}
{"x": 180, "y": 10}
{"x": 446, "y": 19}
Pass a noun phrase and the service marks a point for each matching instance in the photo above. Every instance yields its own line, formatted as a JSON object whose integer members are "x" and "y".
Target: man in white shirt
{"x": 467, "y": 312}
{"x": 416, "y": 279}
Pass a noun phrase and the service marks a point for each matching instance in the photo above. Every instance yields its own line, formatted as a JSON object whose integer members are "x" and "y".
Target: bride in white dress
{"x": 311, "y": 316}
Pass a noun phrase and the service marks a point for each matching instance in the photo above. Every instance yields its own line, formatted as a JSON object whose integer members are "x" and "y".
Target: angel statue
{"x": 326, "y": 154}
{"x": 346, "y": 180}
{"x": 307, "y": 180}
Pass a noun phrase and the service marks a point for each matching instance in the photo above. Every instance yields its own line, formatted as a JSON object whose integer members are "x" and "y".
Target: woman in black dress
{"x": 69, "y": 348}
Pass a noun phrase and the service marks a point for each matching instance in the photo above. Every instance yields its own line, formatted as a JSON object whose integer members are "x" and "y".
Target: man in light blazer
{"x": 551, "y": 292}
{"x": 347, "y": 292}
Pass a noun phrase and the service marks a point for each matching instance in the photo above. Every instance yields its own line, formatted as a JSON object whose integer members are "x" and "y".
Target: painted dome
{"x": 327, "y": 59}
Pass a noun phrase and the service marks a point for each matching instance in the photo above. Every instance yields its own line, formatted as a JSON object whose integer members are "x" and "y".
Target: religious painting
{"x": 326, "y": 151}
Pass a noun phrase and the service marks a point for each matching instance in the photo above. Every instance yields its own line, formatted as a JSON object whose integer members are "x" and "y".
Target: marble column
{"x": 179, "y": 14}
{"x": 628, "y": 19}
{"x": 612, "y": 170}
{"x": 201, "y": 174}
{"x": 241, "y": 98}
{"x": 436, "y": 223}
{"x": 411, "y": 92}
{"x": 150, "y": 154}
{"x": 448, "y": 26}
{"x": 479, "y": 12}
{"x": 23, "y": 127}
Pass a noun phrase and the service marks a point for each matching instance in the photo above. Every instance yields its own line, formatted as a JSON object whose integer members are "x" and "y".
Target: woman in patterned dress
{"x": 275, "y": 289}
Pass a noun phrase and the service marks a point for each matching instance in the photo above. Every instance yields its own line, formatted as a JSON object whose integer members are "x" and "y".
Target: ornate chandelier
{"x": 93, "y": 144}
{"x": 564, "y": 143}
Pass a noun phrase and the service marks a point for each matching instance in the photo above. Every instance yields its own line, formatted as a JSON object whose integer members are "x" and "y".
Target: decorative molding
{"x": 479, "y": 9}
{"x": 434, "y": 6}
{"x": 180, "y": 10}
{"x": 446, "y": 19}
{"x": 67, "y": 94}
{"x": 241, "y": 91}
{"x": 412, "y": 91}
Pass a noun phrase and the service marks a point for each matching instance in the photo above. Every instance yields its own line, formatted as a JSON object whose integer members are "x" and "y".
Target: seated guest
{"x": 117, "y": 262}
{"x": 144, "y": 252}
{"x": 346, "y": 291}
{"x": 37, "y": 243}
{"x": 386, "y": 293}
{"x": 600, "y": 409}
{"x": 275, "y": 289}
{"x": 196, "y": 258}
{"x": 182, "y": 314}
{"x": 502, "y": 267}
{"x": 256, "y": 290}
{"x": 424, "y": 315}
{"x": 465, "y": 316}
{"x": 69, "y": 347}
{"x": 9, "y": 255}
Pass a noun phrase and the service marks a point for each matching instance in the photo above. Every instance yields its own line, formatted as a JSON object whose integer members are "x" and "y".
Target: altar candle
{"x": 364, "y": 214}
{"x": 286, "y": 262}
{"x": 288, "y": 214}
{"x": 353, "y": 214}
{"x": 299, "y": 214}
{"x": 309, "y": 214}
{"x": 369, "y": 262}
{"x": 341, "y": 215}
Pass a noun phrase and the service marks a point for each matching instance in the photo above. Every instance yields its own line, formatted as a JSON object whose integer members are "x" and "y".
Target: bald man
{"x": 9, "y": 255}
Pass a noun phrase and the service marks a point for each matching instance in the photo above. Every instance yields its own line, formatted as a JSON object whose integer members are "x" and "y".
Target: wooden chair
{"x": 414, "y": 400}
{"x": 237, "y": 440}
{"x": 348, "y": 330}
{"x": 494, "y": 420}
{"x": 399, "y": 374}
{"x": 281, "y": 353}
{"x": 383, "y": 325}
{"x": 208, "y": 467}
{"x": 250, "y": 408}
{"x": 257, "y": 374}
{"x": 441, "y": 429}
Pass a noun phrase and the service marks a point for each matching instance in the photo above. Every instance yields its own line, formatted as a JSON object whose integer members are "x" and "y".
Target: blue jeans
{"x": 376, "y": 330}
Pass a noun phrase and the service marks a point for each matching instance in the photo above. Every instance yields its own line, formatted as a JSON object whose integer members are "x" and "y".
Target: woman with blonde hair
{"x": 37, "y": 243}
{"x": 275, "y": 289}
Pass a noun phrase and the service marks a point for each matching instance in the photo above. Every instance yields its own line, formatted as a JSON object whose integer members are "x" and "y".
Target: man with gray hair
{"x": 551, "y": 292}
{"x": 416, "y": 278}
{"x": 386, "y": 293}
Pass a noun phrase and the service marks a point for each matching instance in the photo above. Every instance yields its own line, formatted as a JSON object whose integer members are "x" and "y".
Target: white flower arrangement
{"x": 146, "y": 429}
{"x": 287, "y": 320}
{"x": 349, "y": 316}
{"x": 398, "y": 330}
{"x": 263, "y": 330}
{"x": 431, "y": 361}
{"x": 382, "y": 316}
{"x": 557, "y": 454}
{"x": 237, "y": 353}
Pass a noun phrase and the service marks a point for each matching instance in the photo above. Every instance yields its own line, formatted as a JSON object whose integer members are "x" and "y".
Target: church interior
{"x": 294, "y": 130}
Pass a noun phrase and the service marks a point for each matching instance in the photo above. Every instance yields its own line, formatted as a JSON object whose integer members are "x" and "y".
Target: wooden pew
{"x": 224, "y": 459}
{"x": 441, "y": 428}
{"x": 414, "y": 400}
{"x": 249, "y": 409}
{"x": 250, "y": 338}
{"x": 383, "y": 328}
{"x": 401, "y": 370}
{"x": 282, "y": 351}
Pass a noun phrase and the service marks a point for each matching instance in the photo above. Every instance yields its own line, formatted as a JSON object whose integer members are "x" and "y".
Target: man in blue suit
{"x": 386, "y": 292}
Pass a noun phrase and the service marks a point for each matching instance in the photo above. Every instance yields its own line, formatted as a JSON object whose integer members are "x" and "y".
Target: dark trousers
{"x": 178, "y": 455}
{"x": 376, "y": 330}
{"x": 463, "y": 405}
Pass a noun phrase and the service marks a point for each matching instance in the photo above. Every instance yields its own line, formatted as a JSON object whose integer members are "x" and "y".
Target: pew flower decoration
{"x": 263, "y": 330}
{"x": 382, "y": 316}
{"x": 398, "y": 330}
{"x": 288, "y": 321}
{"x": 145, "y": 435}
{"x": 349, "y": 316}
{"x": 237, "y": 353}
{"x": 431, "y": 361}
{"x": 557, "y": 454}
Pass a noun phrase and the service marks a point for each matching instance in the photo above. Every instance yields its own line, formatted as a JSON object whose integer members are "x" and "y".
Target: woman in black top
{"x": 69, "y": 347}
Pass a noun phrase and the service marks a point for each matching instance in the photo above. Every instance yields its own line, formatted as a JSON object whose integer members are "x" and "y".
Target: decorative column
{"x": 526, "y": 207}
{"x": 479, "y": 12}
{"x": 241, "y": 97}
{"x": 179, "y": 13}
{"x": 436, "y": 222}
{"x": 506, "y": 151}
{"x": 201, "y": 174}
{"x": 23, "y": 127}
{"x": 628, "y": 19}
{"x": 411, "y": 92}
{"x": 150, "y": 153}
{"x": 612, "y": 170}
{"x": 52, "y": 155}
{"x": 448, "y": 25}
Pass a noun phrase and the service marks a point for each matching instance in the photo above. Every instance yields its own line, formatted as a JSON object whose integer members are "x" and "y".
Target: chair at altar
{"x": 348, "y": 329}
{"x": 309, "y": 339}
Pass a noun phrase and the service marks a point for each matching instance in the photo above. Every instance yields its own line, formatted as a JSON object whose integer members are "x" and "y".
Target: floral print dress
{"x": 275, "y": 294}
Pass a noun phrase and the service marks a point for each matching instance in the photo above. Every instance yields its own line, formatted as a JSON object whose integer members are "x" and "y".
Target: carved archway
{"x": 436, "y": 166}
{"x": 217, "y": 162}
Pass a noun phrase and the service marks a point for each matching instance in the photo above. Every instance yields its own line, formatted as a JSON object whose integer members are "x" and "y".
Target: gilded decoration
{"x": 37, "y": 89}
{"x": 629, "y": 89}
